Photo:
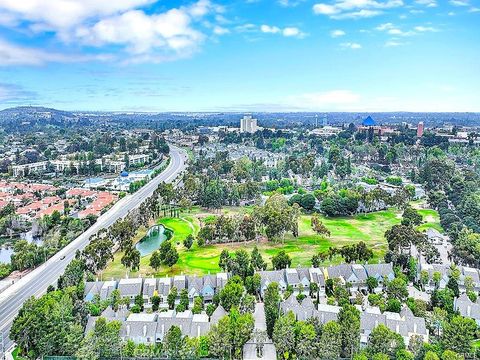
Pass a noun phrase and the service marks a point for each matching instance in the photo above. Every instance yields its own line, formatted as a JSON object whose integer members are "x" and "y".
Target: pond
{"x": 6, "y": 250}
{"x": 151, "y": 242}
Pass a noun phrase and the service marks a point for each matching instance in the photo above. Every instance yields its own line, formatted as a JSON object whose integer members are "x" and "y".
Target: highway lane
{"x": 37, "y": 281}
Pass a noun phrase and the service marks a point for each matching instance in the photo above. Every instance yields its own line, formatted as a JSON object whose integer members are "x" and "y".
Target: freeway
{"x": 37, "y": 281}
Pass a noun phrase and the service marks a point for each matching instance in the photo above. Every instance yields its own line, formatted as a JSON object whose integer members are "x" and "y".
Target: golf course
{"x": 369, "y": 228}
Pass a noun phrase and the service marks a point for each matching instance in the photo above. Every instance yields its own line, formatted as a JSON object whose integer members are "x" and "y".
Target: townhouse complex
{"x": 150, "y": 326}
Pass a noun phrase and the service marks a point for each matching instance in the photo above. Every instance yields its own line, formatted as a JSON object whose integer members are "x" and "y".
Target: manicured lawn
{"x": 369, "y": 228}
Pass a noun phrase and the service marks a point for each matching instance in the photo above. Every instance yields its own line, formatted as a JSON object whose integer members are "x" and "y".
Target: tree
{"x": 184, "y": 302}
{"x": 277, "y": 217}
{"x": 224, "y": 261}
{"x": 306, "y": 337}
{"x": 74, "y": 273}
{"x": 188, "y": 242}
{"x": 308, "y": 202}
{"x": 330, "y": 344}
{"x": 101, "y": 342}
{"x": 171, "y": 297}
{"x": 227, "y": 338}
{"x": 397, "y": 289}
{"x": 372, "y": 283}
{"x": 383, "y": 340}
{"x": 173, "y": 342}
{"x": 257, "y": 261}
{"x": 349, "y": 321}
{"x": 138, "y": 301}
{"x": 281, "y": 260}
{"x": 430, "y": 355}
{"x": 240, "y": 264}
{"x": 458, "y": 334}
{"x": 155, "y": 261}
{"x": 451, "y": 355}
{"x": 404, "y": 355}
{"x": 168, "y": 254}
{"x": 411, "y": 217}
{"x": 283, "y": 335}
{"x": 401, "y": 237}
{"x": 49, "y": 325}
{"x": 131, "y": 258}
{"x": 272, "y": 306}
{"x": 155, "y": 302}
{"x": 318, "y": 226}
{"x": 232, "y": 293}
{"x": 253, "y": 284}
{"x": 443, "y": 299}
{"x": 197, "y": 305}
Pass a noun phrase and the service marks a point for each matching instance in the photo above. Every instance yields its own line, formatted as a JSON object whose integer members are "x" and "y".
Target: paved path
{"x": 36, "y": 282}
{"x": 250, "y": 348}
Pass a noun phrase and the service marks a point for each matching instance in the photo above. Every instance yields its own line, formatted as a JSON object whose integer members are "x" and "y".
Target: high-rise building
{"x": 420, "y": 128}
{"x": 248, "y": 124}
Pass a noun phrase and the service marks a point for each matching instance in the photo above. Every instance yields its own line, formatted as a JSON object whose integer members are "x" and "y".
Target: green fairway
{"x": 369, "y": 228}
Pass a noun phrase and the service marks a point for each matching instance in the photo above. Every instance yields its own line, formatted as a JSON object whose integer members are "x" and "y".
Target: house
{"x": 317, "y": 277}
{"x": 92, "y": 288}
{"x": 222, "y": 279}
{"x": 380, "y": 272}
{"x": 195, "y": 286}
{"x": 403, "y": 323}
{"x": 164, "y": 286}
{"x": 208, "y": 288}
{"x": 353, "y": 274}
{"x": 218, "y": 314}
{"x": 268, "y": 277}
{"x": 292, "y": 279}
{"x": 140, "y": 328}
{"x": 472, "y": 274}
{"x": 129, "y": 288}
{"x": 304, "y": 277}
{"x": 432, "y": 269}
{"x": 467, "y": 308}
{"x": 327, "y": 313}
{"x": 180, "y": 282}
{"x": 149, "y": 289}
{"x": 302, "y": 311}
{"x": 109, "y": 314}
{"x": 435, "y": 237}
{"x": 107, "y": 288}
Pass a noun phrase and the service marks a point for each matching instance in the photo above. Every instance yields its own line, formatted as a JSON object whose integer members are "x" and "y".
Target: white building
{"x": 248, "y": 124}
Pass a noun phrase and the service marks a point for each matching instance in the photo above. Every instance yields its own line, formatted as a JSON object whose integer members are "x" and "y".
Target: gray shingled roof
{"x": 218, "y": 314}
{"x": 130, "y": 287}
{"x": 149, "y": 287}
{"x": 378, "y": 271}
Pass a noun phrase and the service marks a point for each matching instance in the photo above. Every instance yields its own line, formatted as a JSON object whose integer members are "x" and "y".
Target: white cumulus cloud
{"x": 351, "y": 45}
{"x": 337, "y": 33}
{"x": 176, "y": 32}
{"x": 289, "y": 31}
{"x": 12, "y": 55}
{"x": 353, "y": 9}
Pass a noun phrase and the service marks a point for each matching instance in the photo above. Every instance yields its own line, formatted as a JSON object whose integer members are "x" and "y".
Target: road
{"x": 37, "y": 281}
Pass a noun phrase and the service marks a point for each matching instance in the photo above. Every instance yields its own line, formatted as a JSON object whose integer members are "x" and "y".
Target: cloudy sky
{"x": 241, "y": 55}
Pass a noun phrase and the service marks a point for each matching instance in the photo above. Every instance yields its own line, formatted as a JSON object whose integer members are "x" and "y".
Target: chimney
{"x": 469, "y": 310}
{"x": 144, "y": 330}
{"x": 414, "y": 327}
{"x": 128, "y": 330}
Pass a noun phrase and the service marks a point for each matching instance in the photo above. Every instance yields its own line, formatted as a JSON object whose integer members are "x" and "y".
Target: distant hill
{"x": 32, "y": 113}
{"x": 28, "y": 117}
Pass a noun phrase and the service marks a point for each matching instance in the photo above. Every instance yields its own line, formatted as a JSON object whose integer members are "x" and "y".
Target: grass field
{"x": 369, "y": 228}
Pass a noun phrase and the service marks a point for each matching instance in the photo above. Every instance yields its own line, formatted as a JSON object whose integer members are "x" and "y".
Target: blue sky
{"x": 253, "y": 55}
